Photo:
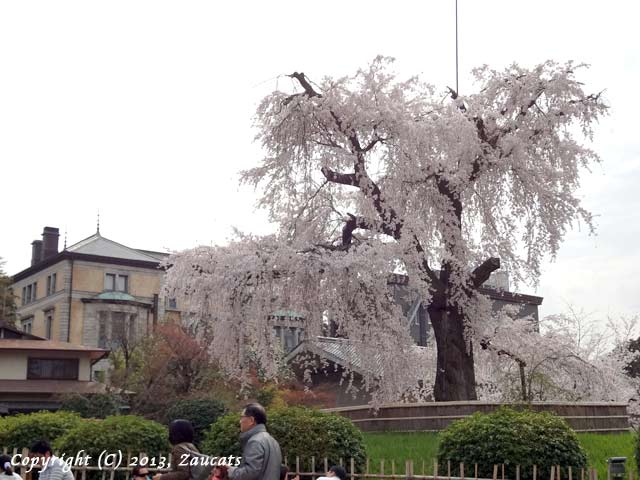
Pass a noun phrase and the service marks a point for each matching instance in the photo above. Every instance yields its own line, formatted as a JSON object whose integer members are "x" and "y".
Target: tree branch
{"x": 304, "y": 83}
{"x": 482, "y": 273}
{"x": 341, "y": 178}
{"x": 356, "y": 222}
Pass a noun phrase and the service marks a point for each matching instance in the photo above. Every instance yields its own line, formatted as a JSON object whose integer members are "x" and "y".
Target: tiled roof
{"x": 17, "y": 331}
{"x": 50, "y": 345}
{"x": 343, "y": 352}
{"x": 51, "y": 386}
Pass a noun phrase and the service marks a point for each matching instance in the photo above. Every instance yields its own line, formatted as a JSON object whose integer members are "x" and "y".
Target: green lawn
{"x": 423, "y": 447}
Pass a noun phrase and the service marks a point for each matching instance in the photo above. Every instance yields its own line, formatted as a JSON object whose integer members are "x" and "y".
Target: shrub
{"x": 222, "y": 438}
{"x": 512, "y": 438}
{"x": 23, "y": 430}
{"x": 202, "y": 413}
{"x": 127, "y": 433}
{"x": 95, "y": 406}
{"x": 302, "y": 432}
{"x": 266, "y": 395}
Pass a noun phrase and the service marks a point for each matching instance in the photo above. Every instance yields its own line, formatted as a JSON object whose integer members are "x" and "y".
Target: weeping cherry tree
{"x": 371, "y": 174}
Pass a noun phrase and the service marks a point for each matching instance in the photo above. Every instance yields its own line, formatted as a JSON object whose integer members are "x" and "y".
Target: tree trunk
{"x": 455, "y": 375}
{"x": 523, "y": 382}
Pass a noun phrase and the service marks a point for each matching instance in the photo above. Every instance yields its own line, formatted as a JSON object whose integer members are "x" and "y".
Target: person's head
{"x": 252, "y": 415}
{"x": 219, "y": 472}
{"x": 5, "y": 465}
{"x": 140, "y": 473}
{"x": 283, "y": 472}
{"x": 40, "y": 449}
{"x": 180, "y": 431}
{"x": 337, "y": 471}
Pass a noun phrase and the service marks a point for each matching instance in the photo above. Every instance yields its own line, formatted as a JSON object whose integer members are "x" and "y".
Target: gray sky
{"x": 143, "y": 111}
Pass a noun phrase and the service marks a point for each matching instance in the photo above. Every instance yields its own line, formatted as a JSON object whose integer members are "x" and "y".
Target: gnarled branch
{"x": 482, "y": 273}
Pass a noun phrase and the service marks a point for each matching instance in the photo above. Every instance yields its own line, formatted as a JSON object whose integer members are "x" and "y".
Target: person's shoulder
{"x": 184, "y": 448}
{"x": 13, "y": 476}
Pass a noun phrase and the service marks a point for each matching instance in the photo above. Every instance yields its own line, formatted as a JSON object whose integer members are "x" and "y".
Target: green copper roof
{"x": 115, "y": 296}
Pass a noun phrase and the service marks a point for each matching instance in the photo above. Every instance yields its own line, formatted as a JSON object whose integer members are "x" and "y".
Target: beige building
{"x": 35, "y": 372}
{"x": 97, "y": 292}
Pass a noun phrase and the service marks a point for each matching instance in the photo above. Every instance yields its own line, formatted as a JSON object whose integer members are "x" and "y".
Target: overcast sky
{"x": 143, "y": 110}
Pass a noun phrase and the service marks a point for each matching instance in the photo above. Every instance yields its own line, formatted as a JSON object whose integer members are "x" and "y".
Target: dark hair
{"x": 256, "y": 411}
{"x": 180, "y": 431}
{"x": 136, "y": 470}
{"x": 283, "y": 472}
{"x": 340, "y": 472}
{"x": 42, "y": 447}
{"x": 4, "y": 459}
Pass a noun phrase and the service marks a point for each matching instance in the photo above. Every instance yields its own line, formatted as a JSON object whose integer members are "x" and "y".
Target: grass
{"x": 600, "y": 447}
{"x": 423, "y": 447}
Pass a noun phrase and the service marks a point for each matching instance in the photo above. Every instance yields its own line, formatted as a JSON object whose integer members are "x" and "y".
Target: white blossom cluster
{"x": 370, "y": 174}
{"x": 572, "y": 358}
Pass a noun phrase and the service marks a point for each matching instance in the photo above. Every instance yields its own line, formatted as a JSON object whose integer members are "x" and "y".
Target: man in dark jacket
{"x": 261, "y": 456}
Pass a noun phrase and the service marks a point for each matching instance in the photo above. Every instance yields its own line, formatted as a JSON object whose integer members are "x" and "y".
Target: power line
{"x": 457, "y": 88}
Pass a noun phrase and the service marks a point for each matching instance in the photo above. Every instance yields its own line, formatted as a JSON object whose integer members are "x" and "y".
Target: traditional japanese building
{"x": 333, "y": 356}
{"x": 35, "y": 372}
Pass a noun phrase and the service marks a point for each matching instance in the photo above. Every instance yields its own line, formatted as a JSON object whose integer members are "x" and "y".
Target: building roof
{"x": 343, "y": 352}
{"x": 10, "y": 344}
{"x": 18, "y": 332}
{"x": 401, "y": 282}
{"x": 96, "y": 244}
{"x": 99, "y": 249}
{"x": 160, "y": 256}
{"x": 52, "y": 386}
{"x": 512, "y": 297}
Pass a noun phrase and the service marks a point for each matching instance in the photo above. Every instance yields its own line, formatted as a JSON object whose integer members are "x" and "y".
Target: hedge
{"x": 202, "y": 413}
{"x": 23, "y": 430}
{"x": 511, "y": 438}
{"x": 302, "y": 432}
{"x": 127, "y": 433}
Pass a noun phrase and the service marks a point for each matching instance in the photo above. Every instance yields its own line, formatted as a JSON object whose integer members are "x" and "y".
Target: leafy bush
{"x": 266, "y": 395}
{"x": 127, "y": 433}
{"x": 302, "y": 432}
{"x": 512, "y": 438}
{"x": 222, "y": 438}
{"x": 202, "y": 413}
{"x": 23, "y": 430}
{"x": 95, "y": 406}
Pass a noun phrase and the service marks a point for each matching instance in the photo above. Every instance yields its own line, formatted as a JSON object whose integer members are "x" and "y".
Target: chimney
{"x": 50, "y": 242}
{"x": 36, "y": 252}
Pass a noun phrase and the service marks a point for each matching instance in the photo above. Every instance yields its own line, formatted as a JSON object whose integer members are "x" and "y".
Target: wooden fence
{"x": 382, "y": 470}
{"x": 596, "y": 417}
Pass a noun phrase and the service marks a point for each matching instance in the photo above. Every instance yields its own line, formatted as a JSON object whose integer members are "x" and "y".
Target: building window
{"x": 29, "y": 293}
{"x": 289, "y": 337}
{"x": 27, "y": 324}
{"x": 117, "y": 283}
{"x": 52, "y": 369}
{"x": 48, "y": 323}
{"x": 116, "y": 329}
{"x": 51, "y": 284}
{"x": 171, "y": 303}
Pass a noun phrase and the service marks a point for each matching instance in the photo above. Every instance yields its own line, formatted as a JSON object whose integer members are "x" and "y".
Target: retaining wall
{"x": 432, "y": 417}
